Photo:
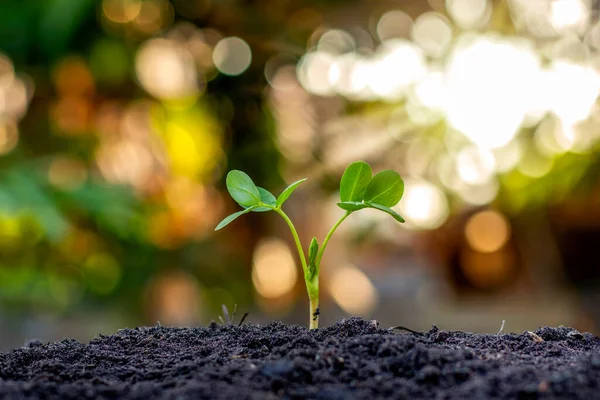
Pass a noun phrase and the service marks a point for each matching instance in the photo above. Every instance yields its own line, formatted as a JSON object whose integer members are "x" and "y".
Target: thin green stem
{"x": 296, "y": 239}
{"x": 311, "y": 279}
{"x": 326, "y": 240}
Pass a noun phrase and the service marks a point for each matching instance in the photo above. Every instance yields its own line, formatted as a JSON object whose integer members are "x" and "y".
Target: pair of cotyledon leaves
{"x": 243, "y": 190}
{"x": 358, "y": 189}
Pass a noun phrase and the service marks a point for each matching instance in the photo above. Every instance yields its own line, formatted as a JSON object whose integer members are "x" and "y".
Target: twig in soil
{"x": 535, "y": 337}
{"x": 403, "y": 328}
{"x": 501, "y": 327}
{"x": 229, "y": 320}
{"x": 243, "y": 319}
{"x": 226, "y": 313}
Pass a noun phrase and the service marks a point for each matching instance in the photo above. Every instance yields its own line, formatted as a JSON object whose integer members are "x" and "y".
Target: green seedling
{"x": 358, "y": 189}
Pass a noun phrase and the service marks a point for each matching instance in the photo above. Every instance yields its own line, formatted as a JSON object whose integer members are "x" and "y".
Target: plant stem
{"x": 313, "y": 304}
{"x": 311, "y": 279}
{"x": 326, "y": 240}
{"x": 296, "y": 240}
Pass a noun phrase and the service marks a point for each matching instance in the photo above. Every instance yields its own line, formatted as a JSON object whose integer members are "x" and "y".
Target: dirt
{"x": 352, "y": 359}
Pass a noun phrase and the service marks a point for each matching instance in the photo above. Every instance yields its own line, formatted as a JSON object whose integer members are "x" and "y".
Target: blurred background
{"x": 120, "y": 118}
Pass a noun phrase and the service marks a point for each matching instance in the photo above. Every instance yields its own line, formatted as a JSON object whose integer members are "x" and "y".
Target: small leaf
{"x": 228, "y": 219}
{"x": 386, "y": 188}
{"x": 267, "y": 198}
{"x": 313, "y": 250}
{"x": 287, "y": 192}
{"x": 352, "y": 205}
{"x": 354, "y": 182}
{"x": 388, "y": 210}
{"x": 242, "y": 189}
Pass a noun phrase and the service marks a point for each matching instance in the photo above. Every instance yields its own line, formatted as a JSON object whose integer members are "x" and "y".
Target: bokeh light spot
{"x": 274, "y": 271}
{"x": 468, "y": 13}
{"x": 232, "y": 56}
{"x": 336, "y": 41}
{"x": 121, "y": 11}
{"x": 9, "y": 137}
{"x": 102, "y": 273}
{"x": 424, "y": 205}
{"x": 166, "y": 70}
{"x": 315, "y": 73}
{"x": 393, "y": 25}
{"x": 475, "y": 165}
{"x": 352, "y": 290}
{"x": 432, "y": 33}
{"x": 487, "y": 231}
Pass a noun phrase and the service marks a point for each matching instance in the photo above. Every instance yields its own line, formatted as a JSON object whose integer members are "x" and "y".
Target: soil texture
{"x": 354, "y": 359}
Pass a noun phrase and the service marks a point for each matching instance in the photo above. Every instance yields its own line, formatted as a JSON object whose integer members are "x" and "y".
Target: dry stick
{"x": 403, "y": 328}
{"x": 243, "y": 319}
{"x": 226, "y": 315}
{"x": 535, "y": 337}
{"x": 501, "y": 327}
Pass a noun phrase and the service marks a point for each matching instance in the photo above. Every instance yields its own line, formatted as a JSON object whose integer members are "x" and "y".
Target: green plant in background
{"x": 358, "y": 189}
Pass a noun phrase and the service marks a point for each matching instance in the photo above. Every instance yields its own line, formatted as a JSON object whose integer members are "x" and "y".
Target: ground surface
{"x": 352, "y": 359}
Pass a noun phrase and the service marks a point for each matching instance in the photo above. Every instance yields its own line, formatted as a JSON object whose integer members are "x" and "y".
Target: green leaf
{"x": 287, "y": 192}
{"x": 352, "y": 205}
{"x": 228, "y": 219}
{"x": 267, "y": 198}
{"x": 313, "y": 250}
{"x": 388, "y": 210}
{"x": 386, "y": 188}
{"x": 242, "y": 189}
{"x": 354, "y": 182}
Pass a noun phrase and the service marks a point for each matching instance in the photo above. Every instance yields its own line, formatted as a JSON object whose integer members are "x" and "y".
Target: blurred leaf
{"x": 110, "y": 62}
{"x": 386, "y": 188}
{"x": 60, "y": 23}
{"x": 354, "y": 182}
{"x": 113, "y": 207}
{"x": 29, "y": 197}
{"x": 288, "y": 192}
{"x": 242, "y": 189}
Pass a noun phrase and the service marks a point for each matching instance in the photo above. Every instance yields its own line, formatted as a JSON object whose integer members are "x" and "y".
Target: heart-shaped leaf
{"x": 228, "y": 219}
{"x": 388, "y": 210}
{"x": 242, "y": 189}
{"x": 287, "y": 192}
{"x": 386, "y": 188}
{"x": 352, "y": 205}
{"x": 313, "y": 250}
{"x": 267, "y": 198}
{"x": 355, "y": 180}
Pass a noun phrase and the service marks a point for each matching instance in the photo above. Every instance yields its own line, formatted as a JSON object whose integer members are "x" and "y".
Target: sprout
{"x": 358, "y": 189}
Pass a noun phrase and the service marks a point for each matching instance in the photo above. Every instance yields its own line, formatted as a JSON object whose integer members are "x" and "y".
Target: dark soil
{"x": 352, "y": 359}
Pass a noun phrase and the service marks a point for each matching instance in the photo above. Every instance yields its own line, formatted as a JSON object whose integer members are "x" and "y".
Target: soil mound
{"x": 353, "y": 359}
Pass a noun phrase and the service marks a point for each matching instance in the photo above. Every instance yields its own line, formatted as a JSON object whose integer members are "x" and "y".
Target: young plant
{"x": 358, "y": 189}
